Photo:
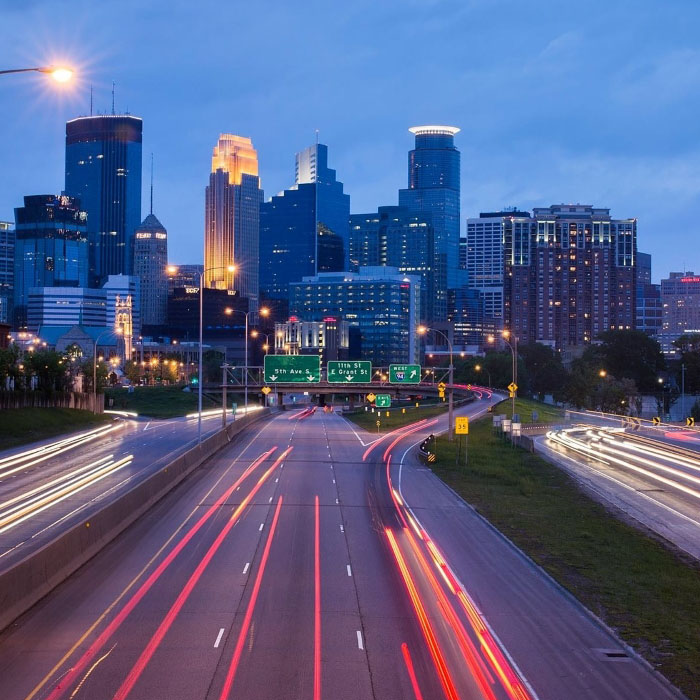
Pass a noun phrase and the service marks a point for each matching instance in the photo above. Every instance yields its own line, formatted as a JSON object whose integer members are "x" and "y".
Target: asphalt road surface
{"x": 306, "y": 561}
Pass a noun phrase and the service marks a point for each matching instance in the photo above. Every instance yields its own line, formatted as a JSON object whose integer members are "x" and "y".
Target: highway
{"x": 648, "y": 475}
{"x": 308, "y": 559}
{"x": 48, "y": 486}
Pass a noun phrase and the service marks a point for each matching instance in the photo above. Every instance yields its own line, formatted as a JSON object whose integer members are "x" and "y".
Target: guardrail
{"x": 30, "y": 579}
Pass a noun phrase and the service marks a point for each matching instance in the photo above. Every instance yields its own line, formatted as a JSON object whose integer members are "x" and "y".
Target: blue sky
{"x": 593, "y": 101}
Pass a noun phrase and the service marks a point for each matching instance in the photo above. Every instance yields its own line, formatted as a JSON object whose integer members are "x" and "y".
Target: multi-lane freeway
{"x": 309, "y": 559}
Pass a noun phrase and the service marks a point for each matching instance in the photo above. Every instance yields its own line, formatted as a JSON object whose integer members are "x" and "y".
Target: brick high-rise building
{"x": 570, "y": 275}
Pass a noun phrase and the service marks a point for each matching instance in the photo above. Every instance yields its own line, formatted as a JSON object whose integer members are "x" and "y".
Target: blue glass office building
{"x": 103, "y": 170}
{"x": 433, "y": 186}
{"x": 51, "y": 247}
{"x": 304, "y": 230}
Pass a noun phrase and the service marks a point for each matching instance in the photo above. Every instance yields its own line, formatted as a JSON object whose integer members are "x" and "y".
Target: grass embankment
{"x": 23, "y": 425}
{"x": 525, "y": 407}
{"x": 396, "y": 417}
{"x": 644, "y": 590}
{"x": 159, "y": 401}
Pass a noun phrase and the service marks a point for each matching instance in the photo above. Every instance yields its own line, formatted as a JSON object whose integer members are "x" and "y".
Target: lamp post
{"x": 262, "y": 312}
{"x": 172, "y": 269}
{"x": 478, "y": 368}
{"x": 59, "y": 74}
{"x": 94, "y": 366}
{"x": 422, "y": 330}
{"x": 514, "y": 352}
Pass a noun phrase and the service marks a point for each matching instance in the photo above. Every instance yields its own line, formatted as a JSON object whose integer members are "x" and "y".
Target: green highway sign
{"x": 302, "y": 369}
{"x": 404, "y": 374}
{"x": 353, "y": 372}
{"x": 383, "y": 401}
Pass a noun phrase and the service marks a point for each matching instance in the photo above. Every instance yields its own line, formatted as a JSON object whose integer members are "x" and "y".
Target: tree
{"x": 50, "y": 368}
{"x": 628, "y": 354}
{"x": 102, "y": 373}
{"x": 132, "y": 371}
{"x": 689, "y": 346}
{"x": 545, "y": 372}
{"x": 9, "y": 365}
{"x": 211, "y": 366}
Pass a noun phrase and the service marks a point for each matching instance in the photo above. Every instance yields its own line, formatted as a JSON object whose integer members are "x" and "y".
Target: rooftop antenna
{"x": 151, "y": 183}
{"x": 91, "y": 100}
{"x": 317, "y": 137}
{"x": 112, "y": 98}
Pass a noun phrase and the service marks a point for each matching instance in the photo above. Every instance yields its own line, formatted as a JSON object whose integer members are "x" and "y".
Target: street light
{"x": 60, "y": 74}
{"x": 505, "y": 334}
{"x": 171, "y": 270}
{"x": 111, "y": 331}
{"x": 422, "y": 330}
{"x": 603, "y": 373}
{"x": 478, "y": 368}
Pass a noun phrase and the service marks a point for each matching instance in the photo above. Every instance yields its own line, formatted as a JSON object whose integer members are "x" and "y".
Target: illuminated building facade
{"x": 232, "y": 218}
{"x": 330, "y": 338}
{"x": 304, "y": 230}
{"x": 434, "y": 186}
{"x": 680, "y": 298}
{"x": 150, "y": 266}
{"x": 7, "y": 270}
{"x": 381, "y": 302}
{"x": 103, "y": 170}
{"x": 570, "y": 275}
{"x": 184, "y": 276}
{"x": 51, "y": 247}
{"x": 649, "y": 306}
{"x": 400, "y": 238}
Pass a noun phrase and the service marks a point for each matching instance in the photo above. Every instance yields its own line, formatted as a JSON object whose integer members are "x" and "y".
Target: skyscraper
{"x": 649, "y": 306}
{"x": 7, "y": 270}
{"x": 150, "y": 263}
{"x": 103, "y": 170}
{"x": 232, "y": 218}
{"x": 51, "y": 247}
{"x": 680, "y": 297}
{"x": 304, "y": 230}
{"x": 434, "y": 186}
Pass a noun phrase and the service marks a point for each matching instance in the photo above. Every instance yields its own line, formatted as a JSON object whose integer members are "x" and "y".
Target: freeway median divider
{"x": 25, "y": 583}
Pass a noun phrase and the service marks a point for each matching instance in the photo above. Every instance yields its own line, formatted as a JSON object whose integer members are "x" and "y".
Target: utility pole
{"x": 224, "y": 382}
{"x": 683, "y": 390}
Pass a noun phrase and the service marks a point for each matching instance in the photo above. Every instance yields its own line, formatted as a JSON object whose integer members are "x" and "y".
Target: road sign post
{"x": 298, "y": 369}
{"x": 404, "y": 374}
{"x": 351, "y": 372}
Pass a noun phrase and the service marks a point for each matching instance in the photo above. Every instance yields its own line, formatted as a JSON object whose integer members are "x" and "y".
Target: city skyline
{"x": 525, "y": 156}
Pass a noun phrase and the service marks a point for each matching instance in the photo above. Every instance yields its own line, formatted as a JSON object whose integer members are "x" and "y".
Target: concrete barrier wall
{"x": 30, "y": 579}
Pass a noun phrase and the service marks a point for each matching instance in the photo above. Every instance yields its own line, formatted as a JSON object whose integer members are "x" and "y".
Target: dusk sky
{"x": 593, "y": 102}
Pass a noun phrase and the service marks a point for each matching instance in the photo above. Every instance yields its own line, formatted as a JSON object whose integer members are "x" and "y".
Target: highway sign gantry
{"x": 300, "y": 369}
{"x": 383, "y": 401}
{"x": 404, "y": 374}
{"x": 349, "y": 372}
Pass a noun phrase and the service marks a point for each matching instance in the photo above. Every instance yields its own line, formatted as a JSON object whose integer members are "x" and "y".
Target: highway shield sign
{"x": 404, "y": 374}
{"x": 300, "y": 369}
{"x": 383, "y": 401}
{"x": 349, "y": 372}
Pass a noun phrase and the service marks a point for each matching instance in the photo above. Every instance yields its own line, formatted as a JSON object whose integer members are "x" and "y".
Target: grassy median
{"x": 646, "y": 591}
{"x": 398, "y": 416}
{"x": 22, "y": 425}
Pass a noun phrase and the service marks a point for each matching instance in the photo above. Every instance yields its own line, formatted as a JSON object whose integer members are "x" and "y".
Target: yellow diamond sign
{"x": 371, "y": 397}
{"x": 266, "y": 390}
{"x": 512, "y": 387}
{"x": 442, "y": 386}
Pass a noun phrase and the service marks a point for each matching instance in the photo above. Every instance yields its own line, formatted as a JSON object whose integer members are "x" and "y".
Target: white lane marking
{"x": 360, "y": 645}
{"x": 246, "y": 567}
{"x": 334, "y": 481}
{"x": 337, "y": 501}
{"x": 269, "y": 500}
{"x": 277, "y": 479}
{"x": 262, "y": 525}
{"x": 342, "y": 529}
{"x": 218, "y": 638}
{"x": 349, "y": 570}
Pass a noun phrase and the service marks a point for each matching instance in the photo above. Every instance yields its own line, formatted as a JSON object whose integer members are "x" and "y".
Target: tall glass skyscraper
{"x": 51, "y": 247}
{"x": 433, "y": 186}
{"x": 232, "y": 218}
{"x": 103, "y": 170}
{"x": 150, "y": 263}
{"x": 304, "y": 230}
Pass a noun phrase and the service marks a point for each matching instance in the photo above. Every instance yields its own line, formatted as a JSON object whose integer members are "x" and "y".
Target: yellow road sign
{"x": 441, "y": 393}
{"x": 656, "y": 420}
{"x": 462, "y": 425}
{"x": 442, "y": 386}
{"x": 511, "y": 394}
{"x": 469, "y": 387}
{"x": 371, "y": 397}
{"x": 266, "y": 390}
{"x": 690, "y": 422}
{"x": 431, "y": 457}
{"x": 512, "y": 387}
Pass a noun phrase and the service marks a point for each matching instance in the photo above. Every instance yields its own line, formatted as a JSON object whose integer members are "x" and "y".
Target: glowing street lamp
{"x": 423, "y": 330}
{"x": 60, "y": 74}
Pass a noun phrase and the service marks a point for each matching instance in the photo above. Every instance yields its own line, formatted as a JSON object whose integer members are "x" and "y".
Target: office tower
{"x": 570, "y": 275}
{"x": 150, "y": 266}
{"x": 304, "y": 230}
{"x": 649, "y": 306}
{"x": 217, "y": 305}
{"x": 400, "y": 238}
{"x": 433, "y": 186}
{"x": 7, "y": 270}
{"x": 382, "y": 302}
{"x": 483, "y": 255}
{"x": 66, "y": 307}
{"x": 232, "y": 218}
{"x": 51, "y": 247}
{"x": 184, "y": 276}
{"x": 103, "y": 170}
{"x": 330, "y": 338}
{"x": 680, "y": 298}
